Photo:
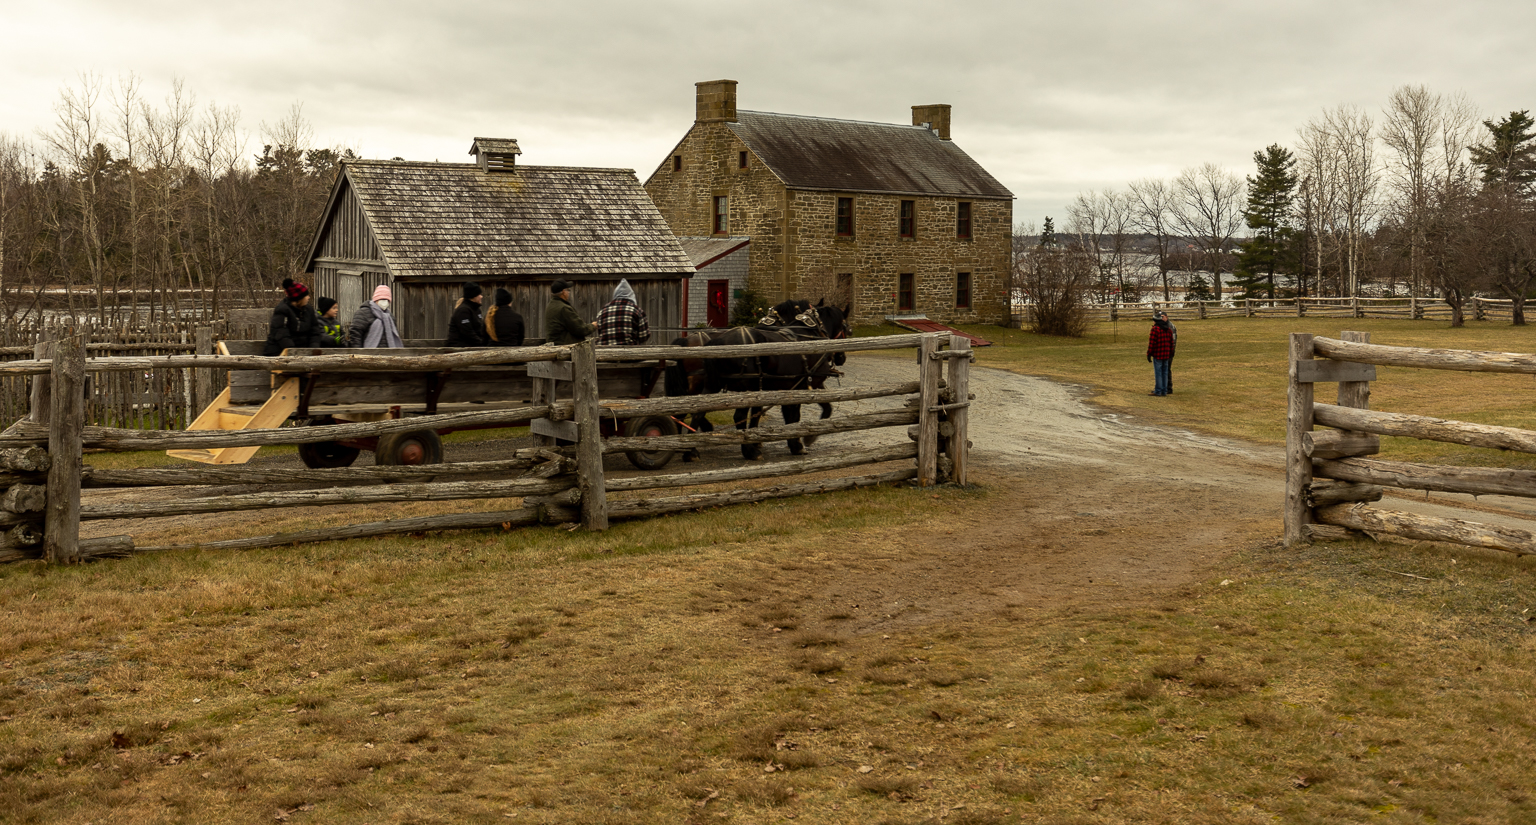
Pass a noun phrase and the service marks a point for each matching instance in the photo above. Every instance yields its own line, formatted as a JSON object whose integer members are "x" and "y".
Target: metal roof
{"x": 453, "y": 220}
{"x": 855, "y": 156}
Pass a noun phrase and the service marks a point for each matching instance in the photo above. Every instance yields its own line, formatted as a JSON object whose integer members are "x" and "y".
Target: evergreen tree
{"x": 1271, "y": 194}
{"x": 1198, "y": 289}
{"x": 1048, "y": 234}
{"x": 1509, "y": 157}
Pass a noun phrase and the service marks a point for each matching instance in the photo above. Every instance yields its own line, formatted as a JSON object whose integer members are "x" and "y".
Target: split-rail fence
{"x": 1329, "y": 477}
{"x": 1475, "y": 309}
{"x": 42, "y": 473}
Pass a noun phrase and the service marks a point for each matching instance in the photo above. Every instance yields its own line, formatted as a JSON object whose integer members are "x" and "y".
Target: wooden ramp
{"x": 920, "y": 323}
{"x": 221, "y": 416}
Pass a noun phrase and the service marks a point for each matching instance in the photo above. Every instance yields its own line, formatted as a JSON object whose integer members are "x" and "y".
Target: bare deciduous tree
{"x": 1208, "y": 210}
{"x": 1152, "y": 211}
{"x": 1337, "y": 160}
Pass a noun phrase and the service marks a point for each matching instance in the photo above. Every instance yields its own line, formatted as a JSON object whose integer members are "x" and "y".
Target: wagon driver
{"x": 562, "y": 326}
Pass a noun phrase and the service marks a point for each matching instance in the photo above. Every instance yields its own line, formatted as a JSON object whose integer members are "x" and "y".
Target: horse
{"x": 789, "y": 321}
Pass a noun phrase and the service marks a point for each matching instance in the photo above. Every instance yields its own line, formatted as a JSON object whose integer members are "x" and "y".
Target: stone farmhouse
{"x": 424, "y": 229}
{"x": 896, "y": 219}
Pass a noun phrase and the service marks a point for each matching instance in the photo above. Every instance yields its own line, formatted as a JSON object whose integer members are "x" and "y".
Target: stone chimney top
{"x": 495, "y": 154}
{"x": 935, "y": 116}
{"x": 716, "y": 101}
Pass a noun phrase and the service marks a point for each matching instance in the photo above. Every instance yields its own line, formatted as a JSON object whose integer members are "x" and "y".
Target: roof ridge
{"x": 521, "y": 166}
{"x": 834, "y": 119}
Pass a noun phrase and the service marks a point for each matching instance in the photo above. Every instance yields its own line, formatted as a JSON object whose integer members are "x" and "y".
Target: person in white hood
{"x": 622, "y": 322}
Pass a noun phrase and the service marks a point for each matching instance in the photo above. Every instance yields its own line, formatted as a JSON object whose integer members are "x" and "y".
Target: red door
{"x": 719, "y": 304}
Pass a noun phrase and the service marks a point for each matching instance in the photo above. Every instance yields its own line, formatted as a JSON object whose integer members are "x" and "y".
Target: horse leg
{"x": 792, "y": 416}
{"x": 826, "y": 412}
{"x": 745, "y": 418}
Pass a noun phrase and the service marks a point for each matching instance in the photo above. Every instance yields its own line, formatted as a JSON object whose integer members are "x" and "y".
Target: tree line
{"x": 1429, "y": 199}
{"x": 155, "y": 206}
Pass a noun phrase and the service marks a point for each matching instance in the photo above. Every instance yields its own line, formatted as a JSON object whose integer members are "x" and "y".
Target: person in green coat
{"x": 562, "y": 325}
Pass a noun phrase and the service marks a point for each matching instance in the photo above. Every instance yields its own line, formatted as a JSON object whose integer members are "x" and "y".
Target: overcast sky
{"x": 1052, "y": 98}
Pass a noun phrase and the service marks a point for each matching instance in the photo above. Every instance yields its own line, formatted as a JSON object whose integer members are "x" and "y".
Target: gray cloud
{"x": 1053, "y": 99}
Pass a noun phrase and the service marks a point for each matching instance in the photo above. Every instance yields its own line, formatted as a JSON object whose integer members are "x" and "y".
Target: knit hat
{"x": 559, "y": 286}
{"x": 294, "y": 289}
{"x": 325, "y": 304}
{"x": 471, "y": 289}
{"x": 1160, "y": 314}
{"x": 503, "y": 297}
{"x": 381, "y": 293}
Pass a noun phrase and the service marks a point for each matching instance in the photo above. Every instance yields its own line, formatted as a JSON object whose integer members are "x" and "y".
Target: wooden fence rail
{"x": 1476, "y": 309}
{"x": 42, "y": 473}
{"x": 1328, "y": 478}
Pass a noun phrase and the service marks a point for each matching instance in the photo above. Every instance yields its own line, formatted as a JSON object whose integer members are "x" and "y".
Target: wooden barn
{"x": 426, "y": 228}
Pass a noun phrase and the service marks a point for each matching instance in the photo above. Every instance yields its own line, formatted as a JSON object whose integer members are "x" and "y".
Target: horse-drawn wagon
{"x": 261, "y": 398}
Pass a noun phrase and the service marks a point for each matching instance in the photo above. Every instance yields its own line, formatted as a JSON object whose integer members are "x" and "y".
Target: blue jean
{"x": 1162, "y": 373}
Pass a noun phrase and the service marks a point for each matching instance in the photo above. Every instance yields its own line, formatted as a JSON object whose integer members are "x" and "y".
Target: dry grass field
{"x": 887, "y": 656}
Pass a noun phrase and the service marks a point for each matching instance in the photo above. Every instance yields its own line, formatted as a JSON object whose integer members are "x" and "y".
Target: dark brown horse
{"x": 788, "y": 322}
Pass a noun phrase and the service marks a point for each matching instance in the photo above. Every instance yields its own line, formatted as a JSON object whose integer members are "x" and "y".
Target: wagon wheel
{"x": 409, "y": 448}
{"x": 326, "y": 454}
{"x": 650, "y": 426}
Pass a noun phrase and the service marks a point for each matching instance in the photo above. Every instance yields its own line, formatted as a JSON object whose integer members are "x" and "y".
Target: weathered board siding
{"x": 348, "y": 264}
{"x": 429, "y": 304}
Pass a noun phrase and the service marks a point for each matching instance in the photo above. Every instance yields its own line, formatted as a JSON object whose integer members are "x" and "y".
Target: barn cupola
{"x": 495, "y": 154}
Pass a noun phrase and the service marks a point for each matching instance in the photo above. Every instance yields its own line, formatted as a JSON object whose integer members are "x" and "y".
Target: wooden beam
{"x": 589, "y": 443}
{"x": 1425, "y": 427}
{"x": 1314, "y": 372}
{"x": 762, "y": 434}
{"x": 1477, "y": 481}
{"x": 1340, "y": 443}
{"x": 521, "y": 517}
{"x": 1435, "y": 359}
{"x": 96, "y": 477}
{"x": 930, "y": 370}
{"x": 1324, "y": 492}
{"x": 335, "y": 496}
{"x": 838, "y": 461}
{"x": 1298, "y": 423}
{"x": 958, "y": 379}
{"x": 672, "y": 504}
{"x": 61, "y": 525}
{"x": 1429, "y": 528}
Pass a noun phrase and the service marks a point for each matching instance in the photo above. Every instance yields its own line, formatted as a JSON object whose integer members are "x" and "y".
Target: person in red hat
{"x": 294, "y": 323}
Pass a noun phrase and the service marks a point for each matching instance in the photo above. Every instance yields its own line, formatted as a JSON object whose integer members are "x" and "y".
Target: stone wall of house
{"x": 811, "y": 261}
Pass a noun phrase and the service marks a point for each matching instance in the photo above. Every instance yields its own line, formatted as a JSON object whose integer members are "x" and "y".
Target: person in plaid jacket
{"x": 1161, "y": 344}
{"x": 622, "y": 322}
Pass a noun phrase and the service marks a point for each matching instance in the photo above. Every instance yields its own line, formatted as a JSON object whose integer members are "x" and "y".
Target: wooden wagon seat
{"x": 373, "y": 390}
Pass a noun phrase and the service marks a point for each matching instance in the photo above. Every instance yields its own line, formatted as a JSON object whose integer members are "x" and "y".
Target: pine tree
{"x": 1048, "y": 234}
{"x": 1271, "y": 194}
{"x": 1509, "y": 157}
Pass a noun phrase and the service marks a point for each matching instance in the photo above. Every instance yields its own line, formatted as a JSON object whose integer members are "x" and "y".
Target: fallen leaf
{"x": 866, "y": 768}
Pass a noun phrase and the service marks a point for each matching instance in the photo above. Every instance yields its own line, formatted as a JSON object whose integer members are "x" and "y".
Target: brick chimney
{"x": 716, "y": 101}
{"x": 935, "y": 116}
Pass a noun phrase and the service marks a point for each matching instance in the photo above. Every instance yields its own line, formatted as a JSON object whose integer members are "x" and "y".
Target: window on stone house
{"x": 962, "y": 290}
{"x": 906, "y": 292}
{"x": 908, "y": 222}
{"x": 845, "y": 217}
{"x": 677, "y": 163}
{"x": 963, "y": 220}
{"x": 741, "y": 160}
{"x": 721, "y": 209}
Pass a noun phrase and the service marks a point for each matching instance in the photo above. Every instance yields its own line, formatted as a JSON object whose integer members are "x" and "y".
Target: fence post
{"x": 61, "y": 523}
{"x": 202, "y": 377}
{"x": 959, "y": 380}
{"x": 1355, "y": 394}
{"x": 1200, "y": 310}
{"x": 1248, "y": 307}
{"x": 927, "y": 416}
{"x": 1413, "y": 308}
{"x": 589, "y": 443}
{"x": 1478, "y": 313}
{"x": 1298, "y": 465}
{"x": 42, "y": 395}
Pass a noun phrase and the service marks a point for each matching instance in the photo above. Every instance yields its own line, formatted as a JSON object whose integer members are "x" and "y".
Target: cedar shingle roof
{"x": 855, "y": 156}
{"x": 452, "y": 220}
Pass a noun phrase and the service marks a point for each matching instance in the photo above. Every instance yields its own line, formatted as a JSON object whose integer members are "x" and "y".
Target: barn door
{"x": 719, "y": 304}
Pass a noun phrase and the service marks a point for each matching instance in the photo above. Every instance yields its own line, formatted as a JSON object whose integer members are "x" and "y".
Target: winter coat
{"x": 466, "y": 328}
{"x": 1160, "y": 342}
{"x": 562, "y": 325}
{"x": 372, "y": 328}
{"x": 291, "y": 326}
{"x": 504, "y": 327}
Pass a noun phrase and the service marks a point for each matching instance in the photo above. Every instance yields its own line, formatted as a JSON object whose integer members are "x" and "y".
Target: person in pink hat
{"x": 372, "y": 326}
